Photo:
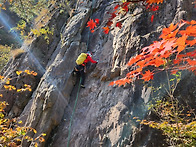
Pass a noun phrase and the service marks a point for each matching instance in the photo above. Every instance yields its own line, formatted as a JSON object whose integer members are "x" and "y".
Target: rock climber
{"x": 80, "y": 68}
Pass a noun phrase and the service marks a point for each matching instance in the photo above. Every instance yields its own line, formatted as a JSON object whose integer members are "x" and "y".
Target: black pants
{"x": 79, "y": 69}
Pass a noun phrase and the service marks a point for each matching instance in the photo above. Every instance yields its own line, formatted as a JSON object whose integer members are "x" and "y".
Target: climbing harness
{"x": 73, "y": 112}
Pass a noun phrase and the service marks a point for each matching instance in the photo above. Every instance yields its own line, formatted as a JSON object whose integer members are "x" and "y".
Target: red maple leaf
{"x": 154, "y": 1}
{"x": 134, "y": 60}
{"x": 152, "y": 18}
{"x": 106, "y": 30}
{"x": 154, "y": 8}
{"x": 153, "y": 48}
{"x": 167, "y": 54}
{"x": 121, "y": 82}
{"x": 190, "y": 30}
{"x": 174, "y": 71}
{"x": 191, "y": 42}
{"x": 132, "y": 74}
{"x": 191, "y": 54}
{"x": 141, "y": 63}
{"x": 168, "y": 30}
{"x": 148, "y": 6}
{"x": 119, "y": 24}
{"x": 147, "y": 76}
{"x": 109, "y": 23}
{"x": 97, "y": 21}
{"x": 176, "y": 61}
{"x": 180, "y": 42}
{"x": 191, "y": 62}
{"x": 91, "y": 24}
{"x": 192, "y": 22}
{"x": 193, "y": 69}
{"x": 168, "y": 46}
{"x": 113, "y": 15}
{"x": 158, "y": 62}
{"x": 116, "y": 7}
{"x": 125, "y": 6}
{"x": 111, "y": 83}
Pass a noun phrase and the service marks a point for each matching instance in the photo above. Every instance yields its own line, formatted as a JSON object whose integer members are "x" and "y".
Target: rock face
{"x": 103, "y": 113}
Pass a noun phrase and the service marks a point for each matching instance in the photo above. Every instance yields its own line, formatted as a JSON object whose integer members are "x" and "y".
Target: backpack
{"x": 81, "y": 58}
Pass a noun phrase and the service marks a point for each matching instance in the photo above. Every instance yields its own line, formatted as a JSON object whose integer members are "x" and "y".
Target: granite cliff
{"x": 102, "y": 115}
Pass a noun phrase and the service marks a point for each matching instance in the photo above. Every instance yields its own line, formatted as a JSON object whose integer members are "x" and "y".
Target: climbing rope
{"x": 73, "y": 112}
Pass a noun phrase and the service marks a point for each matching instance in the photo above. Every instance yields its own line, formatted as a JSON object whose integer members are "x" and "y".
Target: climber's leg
{"x": 82, "y": 75}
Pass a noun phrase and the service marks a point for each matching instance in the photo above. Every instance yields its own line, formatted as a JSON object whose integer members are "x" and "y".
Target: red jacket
{"x": 88, "y": 59}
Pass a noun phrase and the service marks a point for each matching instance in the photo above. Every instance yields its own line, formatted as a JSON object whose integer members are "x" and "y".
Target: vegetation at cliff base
{"x": 12, "y": 131}
{"x": 4, "y": 55}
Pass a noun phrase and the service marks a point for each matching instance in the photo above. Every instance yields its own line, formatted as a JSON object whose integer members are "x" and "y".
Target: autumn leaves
{"x": 92, "y": 24}
{"x": 6, "y": 82}
{"x": 173, "y": 52}
{"x": 118, "y": 9}
{"x": 12, "y": 133}
{"x": 122, "y": 8}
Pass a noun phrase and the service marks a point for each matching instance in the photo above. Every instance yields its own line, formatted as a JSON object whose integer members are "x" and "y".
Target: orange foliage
{"x": 106, "y": 30}
{"x": 147, "y": 76}
{"x": 176, "y": 41}
{"x": 154, "y": 1}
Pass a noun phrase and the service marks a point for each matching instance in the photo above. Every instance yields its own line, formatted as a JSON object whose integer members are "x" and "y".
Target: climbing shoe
{"x": 82, "y": 86}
